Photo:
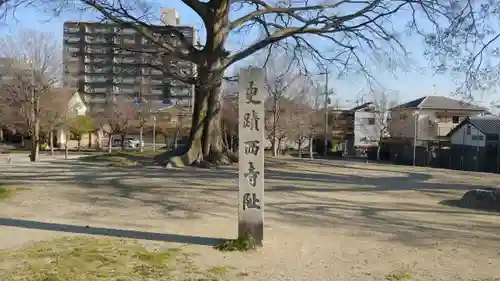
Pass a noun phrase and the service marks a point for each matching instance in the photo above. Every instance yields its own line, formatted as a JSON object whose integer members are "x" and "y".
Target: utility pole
{"x": 325, "y": 150}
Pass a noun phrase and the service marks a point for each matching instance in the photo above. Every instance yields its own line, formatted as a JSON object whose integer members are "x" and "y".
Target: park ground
{"x": 324, "y": 220}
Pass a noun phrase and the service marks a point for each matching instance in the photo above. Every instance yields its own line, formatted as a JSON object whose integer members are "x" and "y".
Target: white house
{"x": 368, "y": 125}
{"x": 476, "y": 131}
{"x": 76, "y": 107}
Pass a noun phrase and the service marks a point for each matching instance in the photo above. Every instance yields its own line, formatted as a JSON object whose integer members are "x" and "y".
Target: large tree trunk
{"x": 205, "y": 139}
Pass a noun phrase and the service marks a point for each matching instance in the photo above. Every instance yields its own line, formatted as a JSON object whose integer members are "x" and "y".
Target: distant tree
{"x": 34, "y": 68}
{"x": 79, "y": 126}
{"x": 117, "y": 118}
{"x": 54, "y": 111}
{"x": 383, "y": 101}
{"x": 279, "y": 82}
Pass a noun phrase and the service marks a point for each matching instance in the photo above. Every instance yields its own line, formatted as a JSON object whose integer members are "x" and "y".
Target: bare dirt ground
{"x": 325, "y": 220}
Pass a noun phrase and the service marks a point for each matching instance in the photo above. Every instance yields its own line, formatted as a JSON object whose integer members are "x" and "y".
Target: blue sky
{"x": 410, "y": 85}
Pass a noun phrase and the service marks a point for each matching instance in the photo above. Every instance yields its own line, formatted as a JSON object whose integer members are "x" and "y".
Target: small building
{"x": 475, "y": 144}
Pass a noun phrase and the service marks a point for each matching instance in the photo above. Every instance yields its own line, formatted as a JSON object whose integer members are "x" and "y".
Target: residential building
{"x": 369, "y": 125}
{"x": 475, "y": 144}
{"x": 105, "y": 59}
{"x": 429, "y": 118}
{"x": 476, "y": 131}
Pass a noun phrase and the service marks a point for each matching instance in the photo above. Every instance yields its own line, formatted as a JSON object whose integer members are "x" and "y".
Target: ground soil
{"x": 325, "y": 219}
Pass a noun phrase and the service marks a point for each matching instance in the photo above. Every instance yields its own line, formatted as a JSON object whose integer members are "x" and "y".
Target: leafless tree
{"x": 315, "y": 121}
{"x": 33, "y": 67}
{"x": 39, "y": 50}
{"x": 383, "y": 102}
{"x": 24, "y": 92}
{"x": 468, "y": 47}
{"x": 55, "y": 108}
{"x": 117, "y": 118}
{"x": 344, "y": 34}
{"x": 279, "y": 82}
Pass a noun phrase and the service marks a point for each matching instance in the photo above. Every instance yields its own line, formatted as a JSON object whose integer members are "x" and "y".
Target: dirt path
{"x": 327, "y": 219}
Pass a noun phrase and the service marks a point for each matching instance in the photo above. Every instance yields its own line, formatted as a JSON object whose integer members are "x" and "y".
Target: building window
{"x": 468, "y": 129}
{"x": 371, "y": 121}
{"x": 455, "y": 119}
{"x": 481, "y": 137}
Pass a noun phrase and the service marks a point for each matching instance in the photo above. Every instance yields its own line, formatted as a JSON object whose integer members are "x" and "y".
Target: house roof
{"x": 363, "y": 106}
{"x": 488, "y": 125}
{"x": 439, "y": 102}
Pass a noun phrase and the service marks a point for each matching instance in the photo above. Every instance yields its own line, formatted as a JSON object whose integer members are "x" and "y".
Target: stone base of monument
{"x": 481, "y": 199}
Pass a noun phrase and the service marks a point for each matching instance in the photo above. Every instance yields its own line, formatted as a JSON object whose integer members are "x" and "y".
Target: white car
{"x": 128, "y": 142}
{"x": 133, "y": 143}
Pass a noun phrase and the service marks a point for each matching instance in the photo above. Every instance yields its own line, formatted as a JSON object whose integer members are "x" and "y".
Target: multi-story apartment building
{"x": 105, "y": 59}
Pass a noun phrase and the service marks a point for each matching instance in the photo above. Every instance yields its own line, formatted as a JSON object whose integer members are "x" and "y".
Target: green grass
{"x": 138, "y": 153}
{"x": 7, "y": 192}
{"x": 399, "y": 275}
{"x": 93, "y": 259}
{"x": 112, "y": 159}
{"x": 241, "y": 244}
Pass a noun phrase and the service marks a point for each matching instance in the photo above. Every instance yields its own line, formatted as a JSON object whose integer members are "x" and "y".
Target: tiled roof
{"x": 489, "y": 125}
{"x": 439, "y": 102}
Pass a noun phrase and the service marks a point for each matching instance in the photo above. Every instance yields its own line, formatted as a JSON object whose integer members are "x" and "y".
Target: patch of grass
{"x": 112, "y": 160}
{"x": 91, "y": 259}
{"x": 138, "y": 153}
{"x": 218, "y": 270}
{"x": 399, "y": 275}
{"x": 241, "y": 244}
{"x": 243, "y": 274}
{"x": 7, "y": 191}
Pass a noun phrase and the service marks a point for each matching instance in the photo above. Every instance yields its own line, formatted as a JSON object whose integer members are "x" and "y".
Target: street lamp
{"x": 415, "y": 135}
{"x": 153, "y": 113}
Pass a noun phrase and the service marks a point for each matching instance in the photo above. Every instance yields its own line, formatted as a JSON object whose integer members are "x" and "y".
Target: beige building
{"x": 429, "y": 118}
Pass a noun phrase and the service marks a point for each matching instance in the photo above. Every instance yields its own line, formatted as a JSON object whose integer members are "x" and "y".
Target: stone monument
{"x": 251, "y": 155}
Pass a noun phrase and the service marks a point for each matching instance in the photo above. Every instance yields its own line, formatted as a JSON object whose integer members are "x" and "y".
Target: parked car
{"x": 133, "y": 142}
{"x": 128, "y": 142}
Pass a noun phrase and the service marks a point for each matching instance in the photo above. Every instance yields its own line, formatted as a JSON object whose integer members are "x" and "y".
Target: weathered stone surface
{"x": 481, "y": 199}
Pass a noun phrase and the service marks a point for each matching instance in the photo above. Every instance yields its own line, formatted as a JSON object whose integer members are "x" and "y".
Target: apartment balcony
{"x": 91, "y": 89}
{"x": 444, "y": 128}
{"x": 73, "y": 49}
{"x": 88, "y": 59}
{"x": 95, "y": 79}
{"x": 98, "y": 30}
{"x": 72, "y": 29}
{"x": 127, "y": 31}
{"x": 71, "y": 39}
{"x": 120, "y": 80}
{"x": 97, "y": 50}
{"x": 124, "y": 60}
{"x": 96, "y": 40}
